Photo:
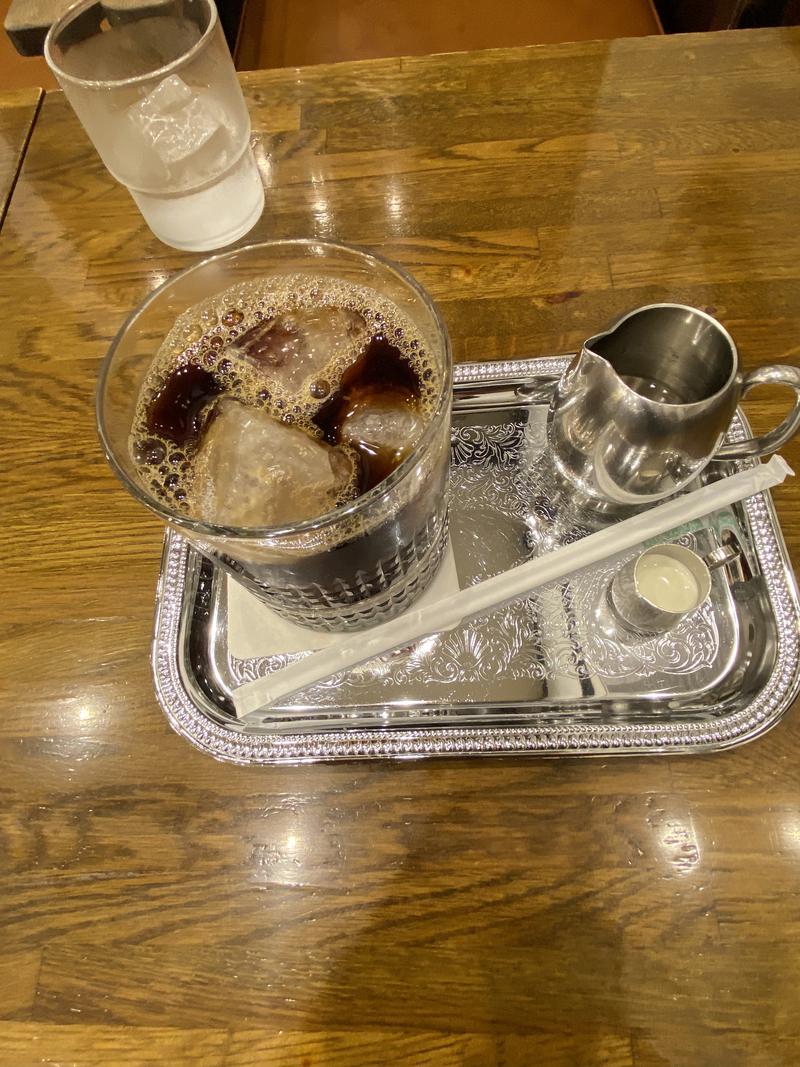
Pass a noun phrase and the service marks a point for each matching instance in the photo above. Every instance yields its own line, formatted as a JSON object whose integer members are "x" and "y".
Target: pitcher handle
{"x": 771, "y": 441}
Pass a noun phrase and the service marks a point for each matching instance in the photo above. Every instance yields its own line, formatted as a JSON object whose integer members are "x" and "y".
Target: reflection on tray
{"x": 542, "y": 673}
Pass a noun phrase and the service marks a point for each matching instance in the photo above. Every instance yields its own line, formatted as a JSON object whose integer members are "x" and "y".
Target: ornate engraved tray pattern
{"x": 543, "y": 675}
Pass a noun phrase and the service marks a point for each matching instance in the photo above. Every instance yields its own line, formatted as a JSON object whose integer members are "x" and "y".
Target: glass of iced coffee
{"x": 286, "y": 407}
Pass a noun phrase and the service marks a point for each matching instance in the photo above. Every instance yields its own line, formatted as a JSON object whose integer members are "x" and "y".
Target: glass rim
{"x": 328, "y": 518}
{"x": 78, "y": 8}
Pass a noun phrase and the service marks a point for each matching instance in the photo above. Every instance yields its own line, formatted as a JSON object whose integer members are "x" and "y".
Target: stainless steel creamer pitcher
{"x": 644, "y": 406}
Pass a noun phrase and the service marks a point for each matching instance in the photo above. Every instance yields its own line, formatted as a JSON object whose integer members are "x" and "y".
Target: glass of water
{"x": 156, "y": 91}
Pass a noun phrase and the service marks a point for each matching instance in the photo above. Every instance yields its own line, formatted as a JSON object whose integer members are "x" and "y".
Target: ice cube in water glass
{"x": 175, "y": 121}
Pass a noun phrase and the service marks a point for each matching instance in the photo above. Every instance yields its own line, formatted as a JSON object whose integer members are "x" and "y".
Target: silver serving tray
{"x": 540, "y": 676}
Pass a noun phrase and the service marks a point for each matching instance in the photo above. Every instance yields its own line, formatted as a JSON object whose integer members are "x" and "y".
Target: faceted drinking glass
{"x": 360, "y": 563}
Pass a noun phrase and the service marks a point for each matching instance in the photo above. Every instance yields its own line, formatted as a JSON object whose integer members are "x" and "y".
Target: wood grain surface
{"x": 18, "y": 109}
{"x": 158, "y": 907}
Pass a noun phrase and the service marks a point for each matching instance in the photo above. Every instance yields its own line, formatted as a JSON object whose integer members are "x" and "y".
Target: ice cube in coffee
{"x": 252, "y": 470}
{"x": 283, "y": 401}
{"x": 296, "y": 346}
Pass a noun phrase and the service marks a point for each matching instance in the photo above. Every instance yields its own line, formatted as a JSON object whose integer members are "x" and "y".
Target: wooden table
{"x": 161, "y": 907}
{"x": 18, "y": 109}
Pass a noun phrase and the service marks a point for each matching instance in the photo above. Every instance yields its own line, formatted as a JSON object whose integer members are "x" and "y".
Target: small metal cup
{"x": 648, "y": 611}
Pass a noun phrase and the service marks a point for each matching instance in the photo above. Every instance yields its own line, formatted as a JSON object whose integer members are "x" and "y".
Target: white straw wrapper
{"x": 519, "y": 581}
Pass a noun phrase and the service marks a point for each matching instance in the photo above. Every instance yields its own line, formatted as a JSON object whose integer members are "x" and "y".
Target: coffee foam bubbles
{"x": 210, "y": 335}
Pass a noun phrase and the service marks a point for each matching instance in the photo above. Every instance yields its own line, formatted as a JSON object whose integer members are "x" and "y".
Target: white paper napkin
{"x": 254, "y": 630}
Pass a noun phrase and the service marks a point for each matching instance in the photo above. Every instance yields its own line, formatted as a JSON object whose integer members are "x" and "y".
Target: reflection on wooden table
{"x": 502, "y": 911}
